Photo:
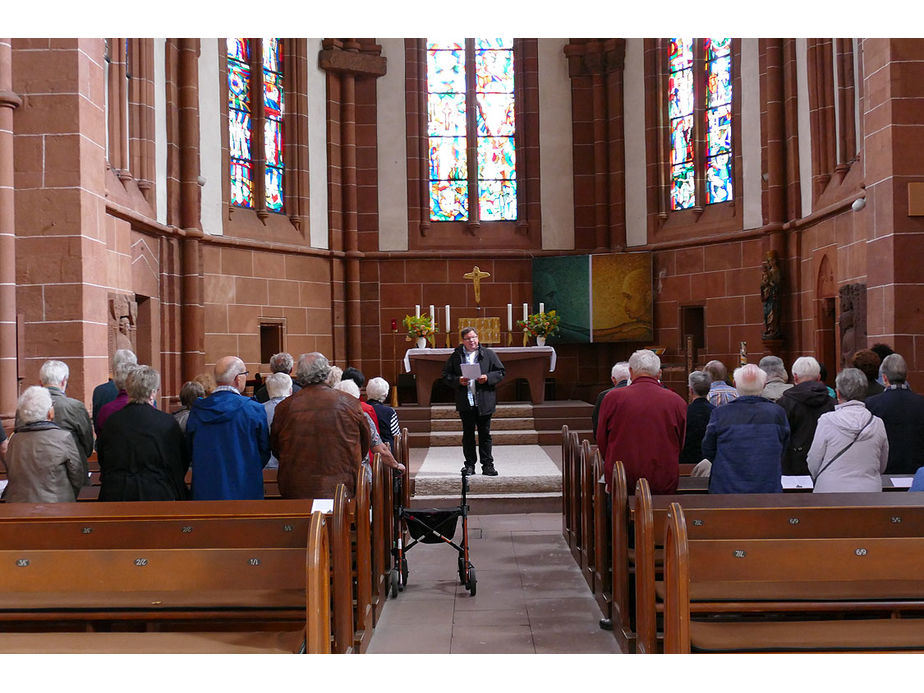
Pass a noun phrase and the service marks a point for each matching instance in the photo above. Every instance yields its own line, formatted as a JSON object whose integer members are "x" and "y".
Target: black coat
{"x": 698, "y": 413}
{"x": 902, "y": 412}
{"x": 804, "y": 404}
{"x": 142, "y": 456}
{"x": 485, "y": 393}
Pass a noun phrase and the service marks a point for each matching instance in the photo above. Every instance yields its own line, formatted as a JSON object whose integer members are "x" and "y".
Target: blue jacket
{"x": 744, "y": 441}
{"x": 229, "y": 445}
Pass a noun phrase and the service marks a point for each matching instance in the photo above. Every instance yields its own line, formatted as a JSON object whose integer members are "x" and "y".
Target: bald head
{"x": 750, "y": 379}
{"x": 228, "y": 369}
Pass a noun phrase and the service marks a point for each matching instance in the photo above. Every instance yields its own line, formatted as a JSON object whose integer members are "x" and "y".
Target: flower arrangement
{"x": 421, "y": 326}
{"x": 540, "y": 324}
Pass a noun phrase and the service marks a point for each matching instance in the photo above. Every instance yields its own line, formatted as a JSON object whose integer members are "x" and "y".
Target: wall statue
{"x": 852, "y": 321}
{"x": 123, "y": 318}
{"x": 771, "y": 294}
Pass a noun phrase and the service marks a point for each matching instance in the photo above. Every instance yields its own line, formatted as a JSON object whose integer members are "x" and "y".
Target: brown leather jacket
{"x": 320, "y": 437}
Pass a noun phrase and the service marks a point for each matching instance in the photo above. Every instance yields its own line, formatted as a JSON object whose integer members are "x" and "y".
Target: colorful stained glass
{"x": 718, "y": 130}
{"x": 680, "y": 96}
{"x": 446, "y": 71}
{"x": 497, "y": 200}
{"x": 241, "y": 184}
{"x": 493, "y": 44}
{"x": 272, "y": 95}
{"x": 239, "y": 134}
{"x": 718, "y": 179}
{"x": 680, "y": 54}
{"x": 496, "y": 158}
{"x": 446, "y": 114}
{"x": 448, "y": 158}
{"x": 494, "y": 71}
{"x": 272, "y": 55}
{"x": 495, "y": 114}
{"x": 238, "y": 87}
{"x": 448, "y": 200}
{"x": 716, "y": 47}
{"x": 445, "y": 44}
{"x": 273, "y": 185}
{"x": 683, "y": 187}
{"x": 682, "y": 140}
{"x": 718, "y": 82}
{"x": 272, "y": 142}
{"x": 239, "y": 49}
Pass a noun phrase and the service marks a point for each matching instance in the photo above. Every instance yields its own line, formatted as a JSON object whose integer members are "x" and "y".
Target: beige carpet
{"x": 522, "y": 469}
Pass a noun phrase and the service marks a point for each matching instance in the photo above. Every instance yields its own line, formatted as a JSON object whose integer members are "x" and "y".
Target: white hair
{"x": 54, "y": 373}
{"x": 33, "y": 405}
{"x": 620, "y": 371}
{"x": 278, "y": 385}
{"x": 377, "y": 389}
{"x": 141, "y": 383}
{"x": 806, "y": 368}
{"x": 645, "y": 362}
{"x": 121, "y": 373}
{"x": 123, "y": 356}
{"x": 749, "y": 379}
{"x": 349, "y": 387}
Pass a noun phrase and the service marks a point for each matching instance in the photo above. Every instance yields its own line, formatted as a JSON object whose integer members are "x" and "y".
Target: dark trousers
{"x": 471, "y": 420}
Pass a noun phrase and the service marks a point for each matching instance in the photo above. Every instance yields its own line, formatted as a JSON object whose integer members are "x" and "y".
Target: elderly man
{"x": 476, "y": 398}
{"x": 745, "y": 439}
{"x": 643, "y": 426}
{"x": 319, "y": 435}
{"x": 619, "y": 376}
{"x": 902, "y": 411}
{"x": 698, "y": 412}
{"x": 70, "y": 413}
{"x": 278, "y": 363}
{"x": 228, "y": 438}
{"x": 720, "y": 392}
{"x": 804, "y": 404}
{"x": 119, "y": 379}
{"x": 108, "y": 391}
{"x": 776, "y": 377}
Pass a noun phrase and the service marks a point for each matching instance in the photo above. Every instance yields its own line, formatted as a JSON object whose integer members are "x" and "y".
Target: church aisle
{"x": 531, "y": 597}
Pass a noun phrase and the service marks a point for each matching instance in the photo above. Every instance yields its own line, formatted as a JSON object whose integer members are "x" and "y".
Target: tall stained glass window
{"x": 471, "y": 130}
{"x": 265, "y": 111}
{"x": 686, "y": 72}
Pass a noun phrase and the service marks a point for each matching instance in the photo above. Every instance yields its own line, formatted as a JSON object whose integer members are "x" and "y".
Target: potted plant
{"x": 540, "y": 325}
{"x": 420, "y": 328}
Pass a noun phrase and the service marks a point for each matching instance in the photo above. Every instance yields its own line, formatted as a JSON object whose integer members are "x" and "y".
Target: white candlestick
{"x": 432, "y": 315}
{"x": 447, "y": 317}
{"x": 525, "y": 313}
{"x": 417, "y": 310}
{"x": 509, "y": 317}
{"x": 541, "y": 307}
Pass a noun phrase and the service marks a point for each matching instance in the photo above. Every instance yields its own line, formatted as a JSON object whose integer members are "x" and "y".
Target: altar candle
{"x": 525, "y": 313}
{"x": 510, "y": 317}
{"x": 541, "y": 307}
{"x": 417, "y": 310}
{"x": 447, "y": 317}
{"x": 432, "y": 314}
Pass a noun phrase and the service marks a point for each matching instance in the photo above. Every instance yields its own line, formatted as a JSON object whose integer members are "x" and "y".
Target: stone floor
{"x": 530, "y": 599}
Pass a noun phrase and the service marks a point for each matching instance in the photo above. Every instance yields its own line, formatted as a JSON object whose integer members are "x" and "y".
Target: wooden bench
{"x": 782, "y": 516}
{"x": 129, "y": 573}
{"x": 815, "y": 594}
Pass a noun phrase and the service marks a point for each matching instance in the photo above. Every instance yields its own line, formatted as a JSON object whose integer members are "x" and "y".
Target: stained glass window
{"x": 684, "y": 75}
{"x": 266, "y": 111}
{"x": 465, "y": 78}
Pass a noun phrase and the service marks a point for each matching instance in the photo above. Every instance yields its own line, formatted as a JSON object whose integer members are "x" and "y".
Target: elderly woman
{"x": 376, "y": 446}
{"x": 850, "y": 449}
{"x": 43, "y": 463}
{"x": 278, "y": 387}
{"x": 189, "y": 393}
{"x": 376, "y": 394}
{"x": 142, "y": 451}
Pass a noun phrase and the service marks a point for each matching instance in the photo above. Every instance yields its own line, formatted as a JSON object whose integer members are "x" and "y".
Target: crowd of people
{"x": 308, "y": 418}
{"x": 749, "y": 433}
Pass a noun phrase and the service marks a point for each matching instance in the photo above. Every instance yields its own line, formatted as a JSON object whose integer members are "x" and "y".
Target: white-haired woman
{"x": 376, "y": 394}
{"x": 43, "y": 463}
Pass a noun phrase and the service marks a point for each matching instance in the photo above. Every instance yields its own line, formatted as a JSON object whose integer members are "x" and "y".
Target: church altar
{"x": 531, "y": 363}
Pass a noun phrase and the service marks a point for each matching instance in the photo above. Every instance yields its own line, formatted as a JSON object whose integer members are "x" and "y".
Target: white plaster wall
{"x": 752, "y": 170}
{"x": 160, "y": 129}
{"x": 805, "y": 126}
{"x": 210, "y": 129}
{"x": 392, "y": 148}
{"x": 556, "y": 165}
{"x": 635, "y": 152}
{"x": 317, "y": 148}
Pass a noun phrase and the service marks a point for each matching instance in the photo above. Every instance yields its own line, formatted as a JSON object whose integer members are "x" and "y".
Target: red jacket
{"x": 643, "y": 426}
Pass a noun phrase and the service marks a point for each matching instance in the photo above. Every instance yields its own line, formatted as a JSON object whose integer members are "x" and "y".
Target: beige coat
{"x": 44, "y": 465}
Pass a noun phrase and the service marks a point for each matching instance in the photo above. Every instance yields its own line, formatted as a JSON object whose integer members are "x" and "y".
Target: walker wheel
{"x": 404, "y": 572}
{"x": 461, "y": 570}
{"x": 394, "y": 583}
{"x": 472, "y": 580}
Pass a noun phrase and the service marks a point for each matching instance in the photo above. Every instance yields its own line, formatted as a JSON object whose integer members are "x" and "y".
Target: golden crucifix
{"x": 476, "y": 275}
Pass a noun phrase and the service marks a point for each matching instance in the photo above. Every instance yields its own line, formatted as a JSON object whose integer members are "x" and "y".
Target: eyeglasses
{"x": 242, "y": 373}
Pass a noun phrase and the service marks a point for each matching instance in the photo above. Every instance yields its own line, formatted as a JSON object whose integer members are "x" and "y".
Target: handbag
{"x": 845, "y": 449}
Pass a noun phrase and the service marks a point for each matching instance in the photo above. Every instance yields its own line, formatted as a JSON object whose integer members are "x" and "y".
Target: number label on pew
{"x": 896, "y": 519}
{"x": 253, "y": 561}
{"x": 141, "y": 562}
{"x": 186, "y": 530}
{"x": 739, "y": 553}
{"x": 288, "y": 528}
{"x": 698, "y": 523}
{"x": 22, "y": 562}
{"x": 86, "y": 530}
{"x": 793, "y": 520}
{"x": 860, "y": 552}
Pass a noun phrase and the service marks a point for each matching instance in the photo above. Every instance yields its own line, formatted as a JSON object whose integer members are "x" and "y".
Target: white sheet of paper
{"x": 797, "y": 482}
{"x": 472, "y": 371}
{"x": 325, "y": 505}
{"x": 901, "y": 481}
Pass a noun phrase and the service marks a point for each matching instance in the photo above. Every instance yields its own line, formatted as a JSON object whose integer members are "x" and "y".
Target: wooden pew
{"x": 202, "y": 576}
{"x": 573, "y": 474}
{"x": 777, "y": 594}
{"x": 567, "y": 530}
{"x": 746, "y": 516}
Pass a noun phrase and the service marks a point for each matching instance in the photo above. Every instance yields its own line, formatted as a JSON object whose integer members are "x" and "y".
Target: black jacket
{"x": 804, "y": 404}
{"x": 698, "y": 413}
{"x": 902, "y": 412}
{"x": 485, "y": 394}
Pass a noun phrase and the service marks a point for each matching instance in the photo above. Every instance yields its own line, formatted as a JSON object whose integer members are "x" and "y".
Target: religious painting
{"x": 562, "y": 284}
{"x": 622, "y": 297}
